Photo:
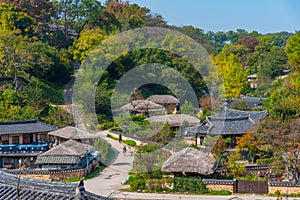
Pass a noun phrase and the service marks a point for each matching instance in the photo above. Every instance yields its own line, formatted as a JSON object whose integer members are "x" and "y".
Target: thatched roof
{"x": 142, "y": 106}
{"x": 163, "y": 99}
{"x": 175, "y": 120}
{"x": 190, "y": 160}
{"x": 71, "y": 132}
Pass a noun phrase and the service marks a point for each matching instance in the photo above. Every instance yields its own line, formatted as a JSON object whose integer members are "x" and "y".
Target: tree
{"x": 240, "y": 105}
{"x": 233, "y": 74}
{"x": 249, "y": 41}
{"x": 248, "y": 142}
{"x": 88, "y": 40}
{"x": 234, "y": 168}
{"x": 293, "y": 51}
{"x": 11, "y": 19}
{"x": 188, "y": 108}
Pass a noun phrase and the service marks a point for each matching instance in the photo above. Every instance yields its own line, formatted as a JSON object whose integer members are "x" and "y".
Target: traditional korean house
{"x": 170, "y": 103}
{"x": 228, "y": 123}
{"x": 176, "y": 121}
{"x": 190, "y": 162}
{"x": 22, "y": 141}
{"x": 69, "y": 154}
{"x": 143, "y": 107}
{"x": 67, "y": 133}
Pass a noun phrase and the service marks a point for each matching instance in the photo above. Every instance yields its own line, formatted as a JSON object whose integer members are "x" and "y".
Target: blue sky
{"x": 264, "y": 16}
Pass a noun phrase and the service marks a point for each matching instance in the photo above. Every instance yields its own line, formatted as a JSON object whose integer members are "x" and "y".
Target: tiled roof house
{"x": 20, "y": 140}
{"x": 229, "y": 123}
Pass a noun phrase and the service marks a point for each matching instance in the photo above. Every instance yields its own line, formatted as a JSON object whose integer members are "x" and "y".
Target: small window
{"x": 15, "y": 139}
{"x": 4, "y": 139}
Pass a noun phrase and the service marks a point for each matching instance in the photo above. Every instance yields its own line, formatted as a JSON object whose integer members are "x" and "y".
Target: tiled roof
{"x": 175, "y": 120}
{"x": 70, "y": 132}
{"x": 68, "y": 152}
{"x": 57, "y": 159}
{"x": 252, "y": 102}
{"x": 34, "y": 189}
{"x": 163, "y": 99}
{"x": 31, "y": 189}
{"x": 229, "y": 122}
{"x": 29, "y": 126}
{"x": 190, "y": 160}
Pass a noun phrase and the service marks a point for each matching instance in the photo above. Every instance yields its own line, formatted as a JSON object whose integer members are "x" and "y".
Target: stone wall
{"x": 43, "y": 177}
{"x": 67, "y": 174}
{"x": 284, "y": 189}
{"x": 219, "y": 187}
{"x": 216, "y": 184}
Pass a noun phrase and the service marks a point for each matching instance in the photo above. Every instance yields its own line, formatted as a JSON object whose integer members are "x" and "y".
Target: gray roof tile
{"x": 29, "y": 126}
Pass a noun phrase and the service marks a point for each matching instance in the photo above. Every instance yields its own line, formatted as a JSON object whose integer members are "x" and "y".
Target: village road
{"x": 109, "y": 181}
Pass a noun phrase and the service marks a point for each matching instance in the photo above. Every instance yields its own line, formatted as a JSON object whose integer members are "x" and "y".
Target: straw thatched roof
{"x": 190, "y": 160}
{"x": 163, "y": 99}
{"x": 175, "y": 120}
{"x": 140, "y": 106}
{"x": 71, "y": 132}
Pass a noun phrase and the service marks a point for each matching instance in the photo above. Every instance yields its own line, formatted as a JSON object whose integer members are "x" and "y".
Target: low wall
{"x": 284, "y": 187}
{"x": 215, "y": 184}
{"x": 50, "y": 174}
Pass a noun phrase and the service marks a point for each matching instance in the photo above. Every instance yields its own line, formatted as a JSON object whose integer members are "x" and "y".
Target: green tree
{"x": 233, "y": 74}
{"x": 240, "y": 105}
{"x": 293, "y": 51}
{"x": 11, "y": 19}
{"x": 88, "y": 40}
{"x": 235, "y": 168}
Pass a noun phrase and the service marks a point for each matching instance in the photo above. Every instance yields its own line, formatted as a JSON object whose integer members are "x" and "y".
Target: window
{"x": 4, "y": 139}
{"x": 15, "y": 139}
{"x": 26, "y": 139}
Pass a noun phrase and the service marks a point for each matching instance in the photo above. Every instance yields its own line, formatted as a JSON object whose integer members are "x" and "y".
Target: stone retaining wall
{"x": 219, "y": 187}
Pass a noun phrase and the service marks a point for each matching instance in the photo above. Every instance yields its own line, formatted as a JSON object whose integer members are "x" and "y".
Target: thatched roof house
{"x": 70, "y": 132}
{"x": 163, "y": 99}
{"x": 168, "y": 101}
{"x": 175, "y": 120}
{"x": 68, "y": 154}
{"x": 190, "y": 161}
{"x": 145, "y": 107}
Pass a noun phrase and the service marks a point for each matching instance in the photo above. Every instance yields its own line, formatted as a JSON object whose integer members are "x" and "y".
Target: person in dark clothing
{"x": 81, "y": 190}
{"x": 120, "y": 137}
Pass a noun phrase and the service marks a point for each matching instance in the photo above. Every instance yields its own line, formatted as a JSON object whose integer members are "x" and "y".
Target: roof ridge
{"x": 20, "y": 122}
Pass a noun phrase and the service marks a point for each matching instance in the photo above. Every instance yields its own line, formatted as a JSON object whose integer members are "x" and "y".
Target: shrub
{"x": 192, "y": 185}
{"x": 138, "y": 182}
{"x": 130, "y": 143}
{"x": 148, "y": 148}
{"x": 219, "y": 192}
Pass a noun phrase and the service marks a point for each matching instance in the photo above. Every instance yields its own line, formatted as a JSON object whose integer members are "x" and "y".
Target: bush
{"x": 112, "y": 137}
{"x": 130, "y": 143}
{"x": 219, "y": 192}
{"x": 138, "y": 182}
{"x": 251, "y": 178}
{"x": 264, "y": 161}
{"x": 148, "y": 148}
{"x": 191, "y": 185}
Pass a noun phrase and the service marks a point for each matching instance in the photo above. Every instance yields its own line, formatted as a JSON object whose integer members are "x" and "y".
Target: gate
{"x": 251, "y": 187}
